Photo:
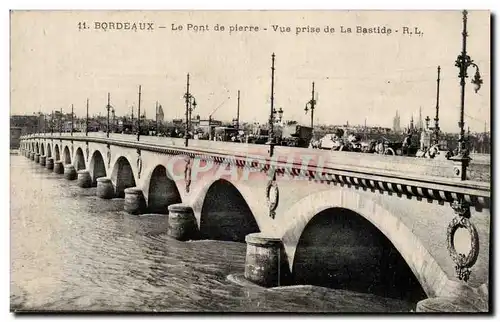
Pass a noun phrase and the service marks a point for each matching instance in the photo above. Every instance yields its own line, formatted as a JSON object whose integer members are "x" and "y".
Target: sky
{"x": 357, "y": 77}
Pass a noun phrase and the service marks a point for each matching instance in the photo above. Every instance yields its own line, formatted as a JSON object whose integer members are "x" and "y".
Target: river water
{"x": 71, "y": 251}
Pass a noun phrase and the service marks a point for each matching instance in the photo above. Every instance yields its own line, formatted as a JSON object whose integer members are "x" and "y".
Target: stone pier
{"x": 42, "y": 160}
{"x": 50, "y": 164}
{"x": 264, "y": 260}
{"x": 37, "y": 158}
{"x": 182, "y": 222}
{"x": 84, "y": 179}
{"x": 70, "y": 172}
{"x": 58, "y": 167}
{"x": 105, "y": 189}
{"x": 135, "y": 203}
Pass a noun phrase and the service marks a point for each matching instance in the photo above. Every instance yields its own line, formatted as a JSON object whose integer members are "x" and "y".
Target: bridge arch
{"x": 371, "y": 226}
{"x": 66, "y": 155}
{"x": 49, "y": 151}
{"x": 225, "y": 214}
{"x": 97, "y": 167}
{"x": 42, "y": 148}
{"x": 79, "y": 160}
{"x": 37, "y": 149}
{"x": 122, "y": 176}
{"x": 56, "y": 153}
{"x": 161, "y": 190}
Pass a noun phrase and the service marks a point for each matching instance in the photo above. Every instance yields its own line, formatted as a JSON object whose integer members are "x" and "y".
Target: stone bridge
{"x": 395, "y": 226}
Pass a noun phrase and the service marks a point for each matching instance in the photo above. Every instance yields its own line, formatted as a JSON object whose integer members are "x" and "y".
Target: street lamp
{"x": 60, "y": 122}
{"x": 272, "y": 112}
{"x": 238, "y": 113}
{"x": 310, "y": 105}
{"x": 279, "y": 113}
{"x": 436, "y": 119}
{"x": 427, "y": 122}
{"x": 463, "y": 62}
{"x": 72, "y": 119}
{"x": 87, "y": 120}
{"x": 52, "y": 123}
{"x": 139, "y": 115}
{"x": 190, "y": 105}
{"x": 108, "y": 107}
{"x": 114, "y": 120}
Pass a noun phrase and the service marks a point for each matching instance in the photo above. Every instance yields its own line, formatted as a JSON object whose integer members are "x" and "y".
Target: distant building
{"x": 212, "y": 122}
{"x": 15, "y": 135}
{"x": 396, "y": 123}
{"x": 420, "y": 124}
{"x": 27, "y": 123}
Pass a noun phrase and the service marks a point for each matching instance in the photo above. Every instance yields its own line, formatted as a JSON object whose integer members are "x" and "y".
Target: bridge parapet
{"x": 410, "y": 177}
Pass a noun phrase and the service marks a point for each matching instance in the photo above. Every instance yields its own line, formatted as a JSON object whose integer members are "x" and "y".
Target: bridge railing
{"x": 382, "y": 164}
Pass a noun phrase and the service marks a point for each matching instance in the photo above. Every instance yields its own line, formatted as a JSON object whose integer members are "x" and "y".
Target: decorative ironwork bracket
{"x": 108, "y": 154}
{"x": 463, "y": 262}
{"x": 139, "y": 163}
{"x": 187, "y": 173}
{"x": 272, "y": 193}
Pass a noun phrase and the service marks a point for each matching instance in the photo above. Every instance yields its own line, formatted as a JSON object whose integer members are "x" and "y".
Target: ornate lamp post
{"x": 310, "y": 105}
{"x": 52, "y": 123}
{"x": 436, "y": 119}
{"x": 87, "y": 120}
{"x": 72, "y": 119}
{"x": 271, "y": 141}
{"x": 108, "y": 107}
{"x": 139, "y": 115}
{"x": 156, "y": 119}
{"x": 113, "y": 127}
{"x": 463, "y": 62}
{"x": 238, "y": 112}
{"x": 190, "y": 105}
{"x": 132, "y": 119}
{"x": 60, "y": 123}
{"x": 278, "y": 114}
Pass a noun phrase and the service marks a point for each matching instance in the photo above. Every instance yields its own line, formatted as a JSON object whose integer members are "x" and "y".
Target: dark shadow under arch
{"x": 42, "y": 149}
{"x": 122, "y": 176}
{"x": 56, "y": 152}
{"x": 341, "y": 249}
{"x": 162, "y": 191}
{"x": 67, "y": 155}
{"x": 49, "y": 151}
{"x": 79, "y": 160}
{"x": 225, "y": 215}
{"x": 97, "y": 168}
{"x": 37, "y": 149}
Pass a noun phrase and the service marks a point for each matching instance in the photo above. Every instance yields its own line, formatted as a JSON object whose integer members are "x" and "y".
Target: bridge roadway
{"x": 407, "y": 199}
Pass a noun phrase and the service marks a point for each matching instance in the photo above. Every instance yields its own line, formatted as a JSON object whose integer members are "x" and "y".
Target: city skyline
{"x": 361, "y": 77}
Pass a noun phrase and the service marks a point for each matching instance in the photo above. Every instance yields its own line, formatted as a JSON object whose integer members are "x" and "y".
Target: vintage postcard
{"x": 250, "y": 161}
